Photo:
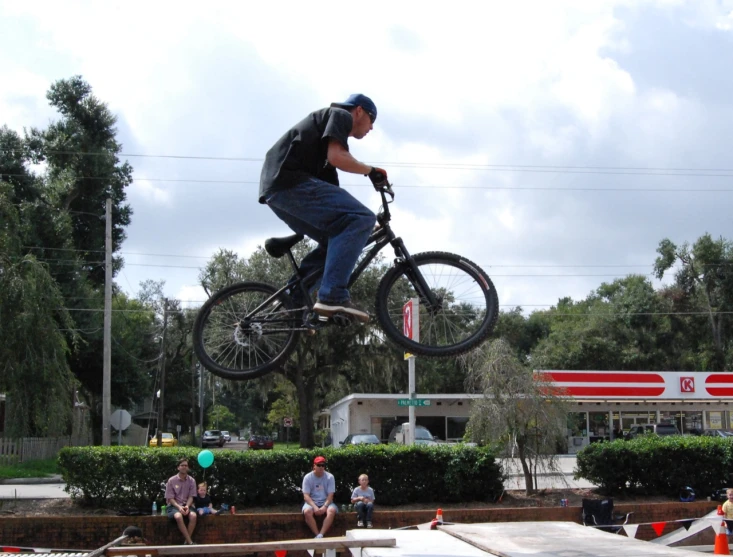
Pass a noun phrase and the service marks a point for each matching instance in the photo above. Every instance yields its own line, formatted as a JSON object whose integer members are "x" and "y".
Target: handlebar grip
{"x": 378, "y": 178}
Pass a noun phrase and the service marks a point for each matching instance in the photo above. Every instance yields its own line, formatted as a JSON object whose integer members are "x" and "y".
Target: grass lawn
{"x": 32, "y": 469}
{"x": 281, "y": 446}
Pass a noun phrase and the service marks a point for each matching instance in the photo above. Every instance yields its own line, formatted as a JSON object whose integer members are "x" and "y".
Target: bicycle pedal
{"x": 342, "y": 319}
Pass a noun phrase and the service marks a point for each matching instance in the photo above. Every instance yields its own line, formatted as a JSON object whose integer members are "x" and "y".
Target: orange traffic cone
{"x": 437, "y": 520}
{"x": 721, "y": 541}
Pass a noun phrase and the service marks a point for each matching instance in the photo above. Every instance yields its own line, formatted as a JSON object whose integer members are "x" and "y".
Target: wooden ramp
{"x": 414, "y": 543}
{"x": 555, "y": 539}
{"x": 321, "y": 545}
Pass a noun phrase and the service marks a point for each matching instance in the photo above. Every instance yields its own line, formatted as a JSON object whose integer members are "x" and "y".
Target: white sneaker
{"x": 318, "y": 536}
{"x": 328, "y": 309}
{"x": 369, "y": 524}
{"x": 360, "y": 524}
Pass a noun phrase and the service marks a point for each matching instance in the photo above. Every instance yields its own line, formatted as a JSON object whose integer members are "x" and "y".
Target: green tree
{"x": 81, "y": 151}
{"x": 33, "y": 367}
{"x": 516, "y": 411}
{"x": 82, "y": 170}
{"x": 285, "y": 406}
{"x": 705, "y": 279}
{"x": 623, "y": 325}
{"x": 220, "y": 417}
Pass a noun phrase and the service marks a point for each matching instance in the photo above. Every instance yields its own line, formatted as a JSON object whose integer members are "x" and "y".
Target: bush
{"x": 656, "y": 465}
{"x": 135, "y": 476}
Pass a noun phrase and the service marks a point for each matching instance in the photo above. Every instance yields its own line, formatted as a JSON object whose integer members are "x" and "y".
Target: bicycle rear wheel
{"x": 467, "y": 309}
{"x": 234, "y": 343}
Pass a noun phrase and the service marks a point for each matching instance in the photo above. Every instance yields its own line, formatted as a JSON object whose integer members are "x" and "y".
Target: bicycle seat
{"x": 277, "y": 247}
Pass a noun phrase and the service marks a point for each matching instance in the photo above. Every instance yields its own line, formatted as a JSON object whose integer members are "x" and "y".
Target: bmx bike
{"x": 249, "y": 329}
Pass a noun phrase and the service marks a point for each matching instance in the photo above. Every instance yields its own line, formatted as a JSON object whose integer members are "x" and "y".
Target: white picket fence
{"x": 14, "y": 451}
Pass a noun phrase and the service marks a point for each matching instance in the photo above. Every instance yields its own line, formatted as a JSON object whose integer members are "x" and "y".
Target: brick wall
{"x": 89, "y": 532}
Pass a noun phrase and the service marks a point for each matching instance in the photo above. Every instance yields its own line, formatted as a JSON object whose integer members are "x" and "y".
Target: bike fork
{"x": 413, "y": 273}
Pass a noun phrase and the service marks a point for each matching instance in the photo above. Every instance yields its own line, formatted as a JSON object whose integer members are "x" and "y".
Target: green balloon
{"x": 206, "y": 458}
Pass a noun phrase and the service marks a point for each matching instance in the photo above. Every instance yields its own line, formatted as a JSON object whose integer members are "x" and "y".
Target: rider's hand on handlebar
{"x": 378, "y": 176}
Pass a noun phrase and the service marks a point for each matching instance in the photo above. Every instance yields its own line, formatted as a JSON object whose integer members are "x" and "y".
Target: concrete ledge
{"x": 90, "y": 532}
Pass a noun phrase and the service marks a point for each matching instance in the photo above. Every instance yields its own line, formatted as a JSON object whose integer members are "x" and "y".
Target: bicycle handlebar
{"x": 385, "y": 187}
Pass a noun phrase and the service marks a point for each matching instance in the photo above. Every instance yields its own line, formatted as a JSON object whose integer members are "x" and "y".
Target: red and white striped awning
{"x": 634, "y": 385}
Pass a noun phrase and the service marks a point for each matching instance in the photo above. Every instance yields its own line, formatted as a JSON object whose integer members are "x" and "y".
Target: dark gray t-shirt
{"x": 303, "y": 151}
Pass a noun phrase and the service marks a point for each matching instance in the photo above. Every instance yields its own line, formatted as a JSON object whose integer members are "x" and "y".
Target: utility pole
{"x": 193, "y": 399}
{"x": 201, "y": 399}
{"x": 213, "y": 401}
{"x": 107, "y": 351}
{"x": 161, "y": 406}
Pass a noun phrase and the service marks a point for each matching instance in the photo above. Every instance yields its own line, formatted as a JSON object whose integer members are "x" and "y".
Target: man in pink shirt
{"x": 179, "y": 493}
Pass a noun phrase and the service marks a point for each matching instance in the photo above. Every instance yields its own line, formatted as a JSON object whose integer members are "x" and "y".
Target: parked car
{"x": 227, "y": 436}
{"x": 211, "y": 438}
{"x": 360, "y": 439}
{"x": 422, "y": 435}
{"x": 166, "y": 440}
{"x": 658, "y": 429}
{"x": 717, "y": 433}
{"x": 260, "y": 442}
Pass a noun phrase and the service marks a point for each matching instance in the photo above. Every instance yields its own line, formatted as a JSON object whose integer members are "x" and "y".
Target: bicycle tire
{"x": 469, "y": 305}
{"x": 233, "y": 347}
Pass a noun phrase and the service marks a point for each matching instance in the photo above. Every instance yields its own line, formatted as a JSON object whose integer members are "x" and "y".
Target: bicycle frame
{"x": 378, "y": 240}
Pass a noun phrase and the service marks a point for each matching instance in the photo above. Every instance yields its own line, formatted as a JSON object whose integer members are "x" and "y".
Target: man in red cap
{"x": 300, "y": 184}
{"x": 318, "y": 489}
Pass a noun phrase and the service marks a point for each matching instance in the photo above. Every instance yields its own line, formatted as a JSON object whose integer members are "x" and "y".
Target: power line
{"x": 134, "y": 357}
{"x": 484, "y": 265}
{"x": 459, "y": 187}
{"x": 459, "y": 166}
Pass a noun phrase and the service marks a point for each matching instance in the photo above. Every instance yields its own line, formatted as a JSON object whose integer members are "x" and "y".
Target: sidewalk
{"x": 562, "y": 480}
{"x": 33, "y": 488}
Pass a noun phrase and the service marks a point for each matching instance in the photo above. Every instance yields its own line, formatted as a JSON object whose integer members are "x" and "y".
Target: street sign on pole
{"x": 120, "y": 420}
{"x": 411, "y": 329}
{"x": 288, "y": 422}
{"x": 411, "y": 319}
{"x": 411, "y": 322}
{"x": 413, "y": 402}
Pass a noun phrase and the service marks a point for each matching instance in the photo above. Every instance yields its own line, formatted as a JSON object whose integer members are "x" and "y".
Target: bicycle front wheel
{"x": 233, "y": 341}
{"x": 465, "y": 312}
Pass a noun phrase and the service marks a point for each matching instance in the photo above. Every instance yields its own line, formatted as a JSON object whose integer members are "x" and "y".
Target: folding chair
{"x": 599, "y": 513}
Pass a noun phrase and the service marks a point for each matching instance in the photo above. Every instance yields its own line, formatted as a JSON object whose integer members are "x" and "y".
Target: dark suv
{"x": 659, "y": 429}
{"x": 212, "y": 437}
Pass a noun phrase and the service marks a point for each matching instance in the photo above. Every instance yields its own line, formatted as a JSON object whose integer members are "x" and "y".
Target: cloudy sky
{"x": 555, "y": 142}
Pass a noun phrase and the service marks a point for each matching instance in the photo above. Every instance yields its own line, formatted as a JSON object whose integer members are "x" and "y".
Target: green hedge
{"x": 658, "y": 465}
{"x": 117, "y": 477}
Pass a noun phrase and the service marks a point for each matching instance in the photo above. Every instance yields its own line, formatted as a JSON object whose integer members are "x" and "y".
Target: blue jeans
{"x": 339, "y": 223}
{"x": 364, "y": 511}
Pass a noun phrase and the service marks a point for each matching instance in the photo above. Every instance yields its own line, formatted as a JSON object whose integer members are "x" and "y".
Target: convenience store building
{"x": 604, "y": 405}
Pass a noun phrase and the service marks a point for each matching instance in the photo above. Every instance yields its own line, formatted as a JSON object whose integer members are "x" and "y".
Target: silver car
{"x": 211, "y": 438}
{"x": 360, "y": 439}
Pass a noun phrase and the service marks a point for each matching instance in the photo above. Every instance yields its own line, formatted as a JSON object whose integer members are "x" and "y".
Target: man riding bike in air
{"x": 300, "y": 184}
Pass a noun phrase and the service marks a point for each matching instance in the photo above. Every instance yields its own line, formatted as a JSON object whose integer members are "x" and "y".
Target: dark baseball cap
{"x": 357, "y": 99}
